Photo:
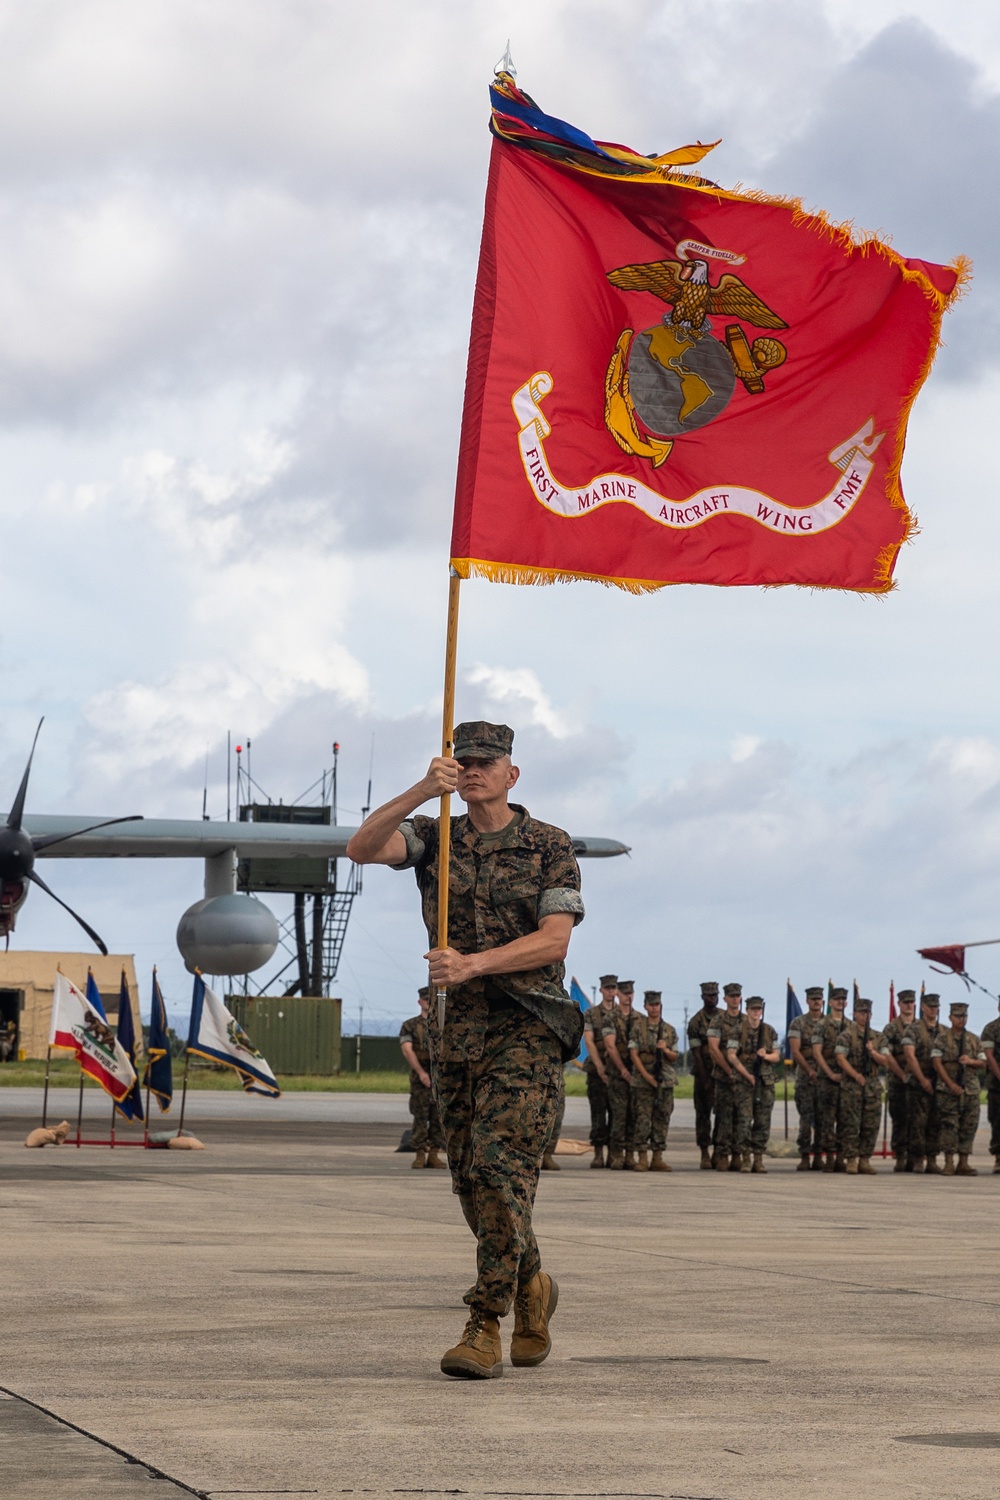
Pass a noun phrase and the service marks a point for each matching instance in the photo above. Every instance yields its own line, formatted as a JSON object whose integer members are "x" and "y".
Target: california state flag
{"x": 80, "y": 1026}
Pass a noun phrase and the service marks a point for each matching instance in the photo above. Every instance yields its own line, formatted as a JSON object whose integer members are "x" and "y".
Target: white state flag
{"x": 217, "y": 1035}
{"x": 79, "y": 1025}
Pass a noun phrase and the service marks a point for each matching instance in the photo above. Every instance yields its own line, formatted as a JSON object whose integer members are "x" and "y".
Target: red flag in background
{"x": 673, "y": 383}
{"x": 952, "y": 955}
{"x": 892, "y": 1000}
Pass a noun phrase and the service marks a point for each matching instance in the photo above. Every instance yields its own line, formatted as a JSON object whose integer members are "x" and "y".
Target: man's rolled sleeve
{"x": 561, "y": 899}
{"x": 416, "y": 846}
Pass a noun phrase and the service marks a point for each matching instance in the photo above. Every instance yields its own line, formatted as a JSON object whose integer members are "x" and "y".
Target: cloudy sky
{"x": 237, "y": 251}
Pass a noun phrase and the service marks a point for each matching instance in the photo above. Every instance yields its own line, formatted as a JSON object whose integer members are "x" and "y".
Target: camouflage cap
{"x": 959, "y": 1008}
{"x": 932, "y": 1000}
{"x": 482, "y": 741}
{"x": 626, "y": 986}
{"x": 732, "y": 989}
{"x": 652, "y": 997}
{"x": 424, "y": 992}
{"x": 609, "y": 981}
{"x": 906, "y": 997}
{"x": 838, "y": 994}
{"x": 710, "y": 987}
{"x": 755, "y": 1002}
{"x": 814, "y": 989}
{"x": 860, "y": 1004}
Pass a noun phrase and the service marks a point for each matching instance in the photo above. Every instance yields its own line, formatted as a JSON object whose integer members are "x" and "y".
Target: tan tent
{"x": 27, "y": 981}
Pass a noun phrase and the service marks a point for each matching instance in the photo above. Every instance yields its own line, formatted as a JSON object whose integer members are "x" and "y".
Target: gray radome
{"x": 227, "y": 935}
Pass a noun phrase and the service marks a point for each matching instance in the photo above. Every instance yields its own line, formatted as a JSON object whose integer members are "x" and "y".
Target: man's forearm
{"x": 378, "y": 828}
{"x": 591, "y": 1045}
{"x": 612, "y": 1047}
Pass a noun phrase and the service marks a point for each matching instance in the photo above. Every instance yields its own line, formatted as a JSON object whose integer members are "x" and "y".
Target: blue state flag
{"x": 94, "y": 996}
{"x": 576, "y": 993}
{"x": 131, "y": 1105}
{"x": 159, "y": 1076}
{"x": 792, "y": 1009}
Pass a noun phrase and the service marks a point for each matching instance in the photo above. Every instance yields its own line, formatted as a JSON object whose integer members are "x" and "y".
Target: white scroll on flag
{"x": 217, "y": 1035}
{"x": 79, "y": 1026}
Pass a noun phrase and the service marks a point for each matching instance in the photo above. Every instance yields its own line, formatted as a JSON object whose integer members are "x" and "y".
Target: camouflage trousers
{"x": 426, "y": 1133}
{"x": 828, "y": 1115}
{"x": 622, "y": 1111}
{"x": 860, "y": 1117}
{"x": 924, "y": 1120}
{"x": 993, "y": 1115}
{"x": 958, "y": 1121}
{"x": 805, "y": 1103}
{"x": 497, "y": 1112}
{"x": 704, "y": 1103}
{"x": 899, "y": 1116}
{"x": 754, "y": 1104}
{"x": 727, "y": 1104}
{"x": 597, "y": 1098}
{"x": 653, "y": 1108}
{"x": 560, "y": 1115}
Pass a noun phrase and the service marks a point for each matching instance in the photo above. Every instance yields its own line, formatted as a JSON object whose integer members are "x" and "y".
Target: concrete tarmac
{"x": 267, "y": 1316}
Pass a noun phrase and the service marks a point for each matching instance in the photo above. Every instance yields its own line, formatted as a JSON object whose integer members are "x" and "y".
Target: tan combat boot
{"x": 899, "y": 1165}
{"x": 932, "y": 1169}
{"x": 642, "y": 1161}
{"x": 549, "y": 1163}
{"x": 630, "y": 1160}
{"x": 616, "y": 1161}
{"x": 736, "y": 1162}
{"x": 658, "y": 1164}
{"x": 758, "y": 1162}
{"x": 477, "y": 1355}
{"x": 851, "y": 1166}
{"x": 598, "y": 1157}
{"x": 865, "y": 1167}
{"x": 963, "y": 1169}
{"x": 949, "y": 1164}
{"x": 817, "y": 1165}
{"x": 705, "y": 1165}
{"x": 722, "y": 1163}
{"x": 420, "y": 1160}
{"x": 534, "y": 1305}
{"x": 746, "y": 1165}
{"x": 803, "y": 1165}
{"x": 915, "y": 1164}
{"x": 434, "y": 1160}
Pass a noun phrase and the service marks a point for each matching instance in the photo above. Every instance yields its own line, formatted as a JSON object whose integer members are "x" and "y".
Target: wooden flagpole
{"x": 447, "y": 745}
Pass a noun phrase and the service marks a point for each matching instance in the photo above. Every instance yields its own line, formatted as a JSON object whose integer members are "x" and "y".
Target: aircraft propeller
{"x": 18, "y": 851}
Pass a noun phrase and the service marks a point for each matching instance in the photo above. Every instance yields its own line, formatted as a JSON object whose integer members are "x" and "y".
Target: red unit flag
{"x": 673, "y": 383}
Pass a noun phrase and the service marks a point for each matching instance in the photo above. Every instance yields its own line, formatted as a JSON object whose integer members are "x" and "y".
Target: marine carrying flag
{"x": 217, "y": 1035}
{"x": 79, "y": 1025}
{"x": 131, "y": 1105}
{"x": 159, "y": 1078}
{"x": 670, "y": 382}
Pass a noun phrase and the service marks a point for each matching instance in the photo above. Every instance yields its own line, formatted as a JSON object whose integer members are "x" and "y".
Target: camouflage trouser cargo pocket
{"x": 497, "y": 1115}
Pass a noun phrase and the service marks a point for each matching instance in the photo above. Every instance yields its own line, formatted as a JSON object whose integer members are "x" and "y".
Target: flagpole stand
{"x": 447, "y": 747}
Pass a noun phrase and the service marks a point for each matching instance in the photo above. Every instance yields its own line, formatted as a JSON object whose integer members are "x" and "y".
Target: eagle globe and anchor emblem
{"x": 678, "y": 376}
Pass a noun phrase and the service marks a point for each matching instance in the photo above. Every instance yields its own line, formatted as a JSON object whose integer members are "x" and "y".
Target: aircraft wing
{"x": 179, "y": 838}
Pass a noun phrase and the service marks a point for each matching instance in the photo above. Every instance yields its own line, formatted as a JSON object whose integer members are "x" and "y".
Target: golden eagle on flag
{"x": 670, "y": 382}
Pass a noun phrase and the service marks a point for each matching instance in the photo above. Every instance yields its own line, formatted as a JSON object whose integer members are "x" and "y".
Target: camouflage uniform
{"x": 958, "y": 1117}
{"x": 724, "y": 1026}
{"x": 497, "y": 1060}
{"x": 594, "y": 1021}
{"x": 923, "y": 1113}
{"x": 752, "y": 1102}
{"x": 805, "y": 1028}
{"x": 990, "y": 1042}
{"x": 704, "y": 1086}
{"x": 827, "y": 1035}
{"x": 898, "y": 1091}
{"x": 560, "y": 1115}
{"x": 653, "y": 1107}
{"x": 426, "y": 1133}
{"x": 860, "y": 1107}
{"x": 620, "y": 1106}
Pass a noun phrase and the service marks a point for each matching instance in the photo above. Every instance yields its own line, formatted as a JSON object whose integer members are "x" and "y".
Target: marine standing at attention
{"x": 958, "y": 1060}
{"x": 991, "y": 1045}
{"x": 596, "y": 1068}
{"x": 701, "y": 1068}
{"x": 901, "y": 1082}
{"x": 425, "y": 1137}
{"x": 508, "y": 1023}
{"x": 825, "y": 1039}
{"x": 651, "y": 1042}
{"x": 857, "y": 1053}
{"x": 918, "y": 1040}
{"x": 620, "y": 1079}
{"x": 752, "y": 1051}
{"x": 723, "y": 1027}
{"x": 800, "y": 1038}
